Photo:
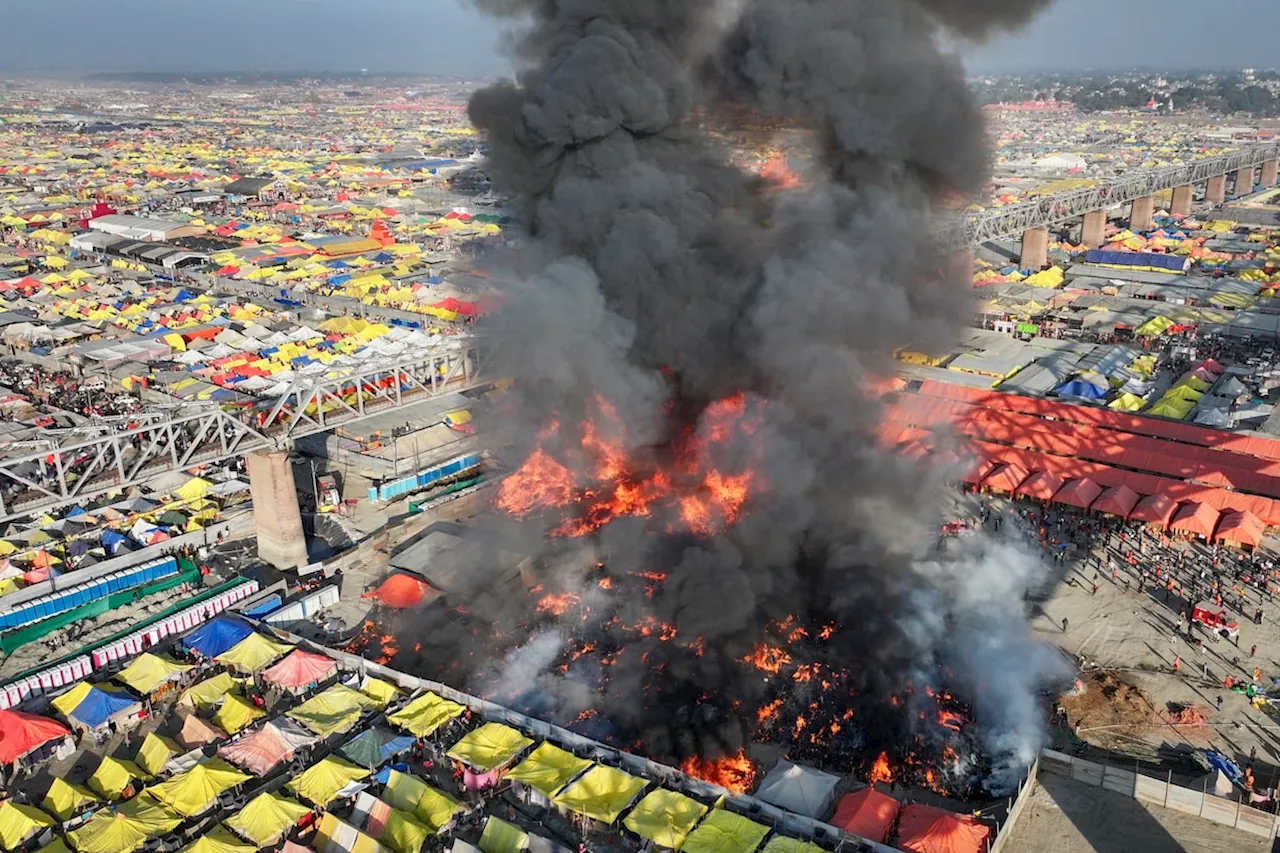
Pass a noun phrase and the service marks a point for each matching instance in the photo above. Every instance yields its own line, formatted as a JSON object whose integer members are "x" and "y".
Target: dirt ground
{"x": 1066, "y": 816}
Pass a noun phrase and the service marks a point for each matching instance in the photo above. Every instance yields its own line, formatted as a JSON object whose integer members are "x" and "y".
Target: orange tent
{"x": 401, "y": 591}
{"x": 1241, "y": 528}
{"x": 1117, "y": 500}
{"x": 1078, "y": 493}
{"x": 1006, "y": 478}
{"x": 926, "y": 829}
{"x": 1195, "y": 518}
{"x": 868, "y": 813}
{"x": 1155, "y": 509}
{"x": 1040, "y": 486}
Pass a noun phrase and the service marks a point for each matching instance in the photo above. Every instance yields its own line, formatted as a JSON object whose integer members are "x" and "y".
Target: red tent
{"x": 1006, "y": 478}
{"x": 22, "y": 734}
{"x": 1196, "y": 519}
{"x": 1040, "y": 486}
{"x": 401, "y": 590}
{"x": 1154, "y": 509}
{"x": 1241, "y": 528}
{"x": 926, "y": 829}
{"x": 300, "y": 669}
{"x": 868, "y": 813}
{"x": 1078, "y": 493}
{"x": 1117, "y": 500}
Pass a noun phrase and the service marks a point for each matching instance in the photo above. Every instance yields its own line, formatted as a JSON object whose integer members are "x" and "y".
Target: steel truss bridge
{"x": 1015, "y": 219}
{"x": 94, "y": 459}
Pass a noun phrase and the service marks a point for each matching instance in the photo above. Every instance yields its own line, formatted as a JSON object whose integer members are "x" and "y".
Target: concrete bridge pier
{"x": 1215, "y": 191}
{"x": 1142, "y": 214}
{"x": 1035, "y": 249}
{"x": 1182, "y": 197}
{"x": 1093, "y": 232}
{"x": 1243, "y": 181}
{"x": 275, "y": 509}
{"x": 1270, "y": 172}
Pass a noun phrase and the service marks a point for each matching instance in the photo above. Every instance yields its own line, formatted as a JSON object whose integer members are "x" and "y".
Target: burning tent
{"x": 926, "y": 829}
{"x": 798, "y": 789}
{"x": 867, "y": 813}
{"x": 401, "y": 591}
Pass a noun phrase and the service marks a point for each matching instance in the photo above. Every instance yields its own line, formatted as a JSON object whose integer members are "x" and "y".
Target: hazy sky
{"x": 442, "y": 36}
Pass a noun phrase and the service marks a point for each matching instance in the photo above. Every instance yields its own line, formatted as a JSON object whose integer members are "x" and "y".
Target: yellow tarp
{"x": 253, "y": 653}
{"x": 502, "y": 837}
{"x": 208, "y": 693}
{"x": 601, "y": 793}
{"x": 335, "y": 709}
{"x": 219, "y": 841}
{"x": 665, "y": 817}
{"x": 492, "y": 745}
{"x": 192, "y": 792}
{"x": 124, "y": 829}
{"x": 380, "y": 692}
{"x": 154, "y": 752}
{"x": 67, "y": 702}
{"x": 18, "y": 823}
{"x": 113, "y": 776}
{"x": 783, "y": 844}
{"x": 725, "y": 832}
{"x": 548, "y": 769}
{"x": 1155, "y": 326}
{"x": 404, "y": 834}
{"x": 410, "y": 794}
{"x": 321, "y": 782}
{"x": 1126, "y": 402}
{"x": 65, "y": 800}
{"x": 425, "y": 714}
{"x": 235, "y": 714}
{"x": 147, "y": 672}
{"x": 193, "y": 489}
{"x": 266, "y": 817}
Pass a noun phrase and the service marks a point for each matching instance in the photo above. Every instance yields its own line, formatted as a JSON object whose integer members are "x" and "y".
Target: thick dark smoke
{"x": 655, "y": 263}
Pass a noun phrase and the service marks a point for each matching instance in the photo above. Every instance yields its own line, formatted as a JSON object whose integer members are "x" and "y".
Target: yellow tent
{"x": 410, "y": 794}
{"x": 236, "y": 714}
{"x": 253, "y": 653}
{"x": 19, "y": 823}
{"x": 65, "y": 801}
{"x": 219, "y": 841}
{"x": 403, "y": 833}
{"x": 380, "y": 692}
{"x": 321, "y": 782}
{"x": 1126, "y": 402}
{"x": 335, "y": 709}
{"x": 113, "y": 776}
{"x": 725, "y": 832}
{"x": 124, "y": 829}
{"x": 208, "y": 693}
{"x": 425, "y": 714}
{"x": 548, "y": 769}
{"x": 193, "y": 792}
{"x": 783, "y": 844}
{"x": 665, "y": 817}
{"x": 602, "y": 793}
{"x": 490, "y": 746}
{"x": 67, "y": 702}
{"x": 502, "y": 837}
{"x": 154, "y": 753}
{"x": 193, "y": 489}
{"x": 148, "y": 672}
{"x": 266, "y": 817}
{"x": 1155, "y": 326}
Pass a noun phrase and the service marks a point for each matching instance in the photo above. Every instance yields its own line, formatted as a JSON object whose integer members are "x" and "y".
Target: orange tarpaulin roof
{"x": 1155, "y": 509}
{"x": 21, "y": 733}
{"x": 299, "y": 668}
{"x": 1078, "y": 493}
{"x": 868, "y": 813}
{"x": 1196, "y": 518}
{"x": 1006, "y": 478}
{"x": 1117, "y": 500}
{"x": 1040, "y": 486}
{"x": 401, "y": 590}
{"x": 1241, "y": 527}
{"x": 926, "y": 829}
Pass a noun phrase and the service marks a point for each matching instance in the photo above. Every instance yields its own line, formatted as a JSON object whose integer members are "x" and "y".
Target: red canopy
{"x": 1078, "y": 493}
{"x": 868, "y": 813}
{"x": 1006, "y": 478}
{"x": 1195, "y": 518}
{"x": 299, "y": 669}
{"x": 926, "y": 829}
{"x": 401, "y": 590}
{"x": 22, "y": 733}
{"x": 1243, "y": 528}
{"x": 1154, "y": 509}
{"x": 1041, "y": 486}
{"x": 1117, "y": 500}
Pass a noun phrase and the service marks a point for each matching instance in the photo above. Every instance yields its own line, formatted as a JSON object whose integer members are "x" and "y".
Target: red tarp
{"x": 1078, "y": 493}
{"x": 1243, "y": 528}
{"x": 1005, "y": 479}
{"x": 1196, "y": 518}
{"x": 1040, "y": 486}
{"x": 1155, "y": 509}
{"x": 868, "y": 813}
{"x": 926, "y": 829}
{"x": 21, "y": 733}
{"x": 401, "y": 590}
{"x": 299, "y": 669}
{"x": 1117, "y": 500}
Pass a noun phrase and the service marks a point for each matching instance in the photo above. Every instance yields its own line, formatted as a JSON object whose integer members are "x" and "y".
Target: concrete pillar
{"x": 275, "y": 509}
{"x": 1270, "y": 173}
{"x": 1142, "y": 215}
{"x": 1181, "y": 204}
{"x": 1244, "y": 181}
{"x": 1093, "y": 233}
{"x": 1035, "y": 248}
{"x": 1215, "y": 192}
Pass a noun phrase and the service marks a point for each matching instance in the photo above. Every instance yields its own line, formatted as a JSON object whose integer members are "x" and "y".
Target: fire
{"x": 558, "y": 604}
{"x": 950, "y": 720}
{"x": 881, "y": 771}
{"x": 368, "y": 637}
{"x": 768, "y": 658}
{"x": 769, "y": 711}
{"x": 649, "y": 626}
{"x": 732, "y": 772}
{"x": 540, "y": 481}
{"x": 805, "y": 672}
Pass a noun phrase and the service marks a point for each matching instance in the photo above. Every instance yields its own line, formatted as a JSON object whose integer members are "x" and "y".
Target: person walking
{"x": 1177, "y": 663}
{"x": 1219, "y": 703}
{"x": 1252, "y": 650}
{"x": 1064, "y": 624}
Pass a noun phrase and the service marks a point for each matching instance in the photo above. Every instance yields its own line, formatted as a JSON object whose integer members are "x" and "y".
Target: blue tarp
{"x": 214, "y": 638}
{"x": 373, "y": 746}
{"x": 262, "y": 608}
{"x": 1081, "y": 388}
{"x": 1175, "y": 263}
{"x": 112, "y": 541}
{"x": 99, "y": 706}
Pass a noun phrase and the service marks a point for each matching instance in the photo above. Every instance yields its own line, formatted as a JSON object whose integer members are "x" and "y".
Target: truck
{"x": 1214, "y": 618}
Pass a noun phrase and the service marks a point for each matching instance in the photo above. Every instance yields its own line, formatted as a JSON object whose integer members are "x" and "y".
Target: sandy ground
{"x": 1066, "y": 816}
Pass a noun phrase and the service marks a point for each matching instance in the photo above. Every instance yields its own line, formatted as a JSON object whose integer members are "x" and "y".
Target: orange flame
{"x": 558, "y": 604}
{"x": 881, "y": 771}
{"x": 768, "y": 658}
{"x": 769, "y": 711}
{"x": 734, "y": 772}
{"x": 541, "y": 481}
{"x": 950, "y": 720}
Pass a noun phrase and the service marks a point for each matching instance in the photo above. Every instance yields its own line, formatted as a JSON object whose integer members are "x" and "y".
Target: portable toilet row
{"x": 45, "y": 681}
{"x": 180, "y": 622}
{"x": 81, "y": 594}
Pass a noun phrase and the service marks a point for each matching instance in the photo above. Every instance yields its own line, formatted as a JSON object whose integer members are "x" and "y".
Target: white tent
{"x": 798, "y": 789}
{"x": 1213, "y": 418}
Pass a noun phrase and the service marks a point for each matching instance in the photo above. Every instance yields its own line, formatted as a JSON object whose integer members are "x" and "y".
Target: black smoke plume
{"x": 661, "y": 276}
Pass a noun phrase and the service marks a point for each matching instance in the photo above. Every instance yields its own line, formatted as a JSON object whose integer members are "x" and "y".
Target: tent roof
{"x": 502, "y": 837}
{"x": 548, "y": 769}
{"x": 322, "y": 781}
{"x": 1242, "y": 527}
{"x": 236, "y": 714}
{"x": 154, "y": 753}
{"x": 1078, "y": 493}
{"x": 602, "y": 793}
{"x": 197, "y": 731}
{"x": 113, "y": 775}
{"x": 192, "y": 792}
{"x": 335, "y": 709}
{"x": 1041, "y": 486}
{"x": 374, "y": 745}
{"x": 299, "y": 669}
{"x": 783, "y": 844}
{"x": 1006, "y": 478}
{"x": 65, "y": 800}
{"x": 208, "y": 693}
{"x": 926, "y": 829}
{"x": 868, "y": 813}
{"x": 99, "y": 705}
{"x": 260, "y": 751}
{"x": 1154, "y": 509}
{"x": 1195, "y": 517}
{"x": 401, "y": 590}
{"x": 253, "y": 653}
{"x": 665, "y": 817}
{"x": 215, "y": 637}
{"x": 1117, "y": 500}
{"x": 219, "y": 840}
{"x": 410, "y": 794}
{"x": 19, "y": 822}
{"x": 266, "y": 817}
{"x": 125, "y": 828}
{"x": 490, "y": 746}
{"x": 725, "y": 832}
{"x": 21, "y": 733}
{"x": 798, "y": 789}
{"x": 147, "y": 672}
{"x": 424, "y": 715}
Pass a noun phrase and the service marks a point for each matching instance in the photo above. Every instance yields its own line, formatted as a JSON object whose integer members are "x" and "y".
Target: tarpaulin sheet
{"x": 154, "y": 753}
{"x": 548, "y": 769}
{"x": 125, "y": 828}
{"x": 218, "y": 636}
{"x": 783, "y": 844}
{"x": 382, "y": 693}
{"x": 219, "y": 840}
{"x": 193, "y": 792}
{"x": 113, "y": 776}
{"x": 403, "y": 833}
{"x": 65, "y": 800}
{"x": 401, "y": 591}
{"x": 321, "y": 782}
{"x": 602, "y": 793}
{"x": 197, "y": 732}
{"x": 336, "y": 836}
{"x": 425, "y": 714}
{"x": 665, "y": 817}
{"x": 336, "y": 709}
{"x": 926, "y": 829}
{"x": 253, "y": 653}
{"x": 868, "y": 813}
{"x": 488, "y": 747}
{"x": 300, "y": 669}
{"x": 21, "y": 733}
{"x": 19, "y": 823}
{"x": 208, "y": 693}
{"x": 1241, "y": 527}
{"x": 262, "y": 750}
{"x": 502, "y": 837}
{"x": 374, "y": 746}
{"x": 266, "y": 817}
{"x": 798, "y": 789}
{"x": 725, "y": 832}
{"x": 236, "y": 713}
{"x": 410, "y": 794}
{"x": 147, "y": 672}
{"x": 99, "y": 705}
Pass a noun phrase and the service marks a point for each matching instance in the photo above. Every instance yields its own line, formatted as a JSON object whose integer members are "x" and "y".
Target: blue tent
{"x": 112, "y": 541}
{"x": 214, "y": 638}
{"x": 1174, "y": 263}
{"x": 99, "y": 705}
{"x": 1081, "y": 388}
{"x": 262, "y": 608}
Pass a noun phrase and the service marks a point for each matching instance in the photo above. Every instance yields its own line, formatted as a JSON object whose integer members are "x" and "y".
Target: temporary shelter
{"x": 393, "y": 828}
{"x": 156, "y": 755}
{"x": 336, "y": 836}
{"x": 1195, "y": 519}
{"x": 299, "y": 671}
{"x": 125, "y": 828}
{"x": 489, "y": 747}
{"x": 424, "y": 715}
{"x": 19, "y": 824}
{"x": 927, "y": 829}
{"x": 1157, "y": 510}
{"x": 327, "y": 779}
{"x": 261, "y": 751}
{"x": 868, "y": 813}
{"x": 195, "y": 791}
{"x": 148, "y": 674}
{"x": 208, "y": 693}
{"x": 197, "y": 731}
{"x": 266, "y": 818}
{"x": 602, "y": 793}
{"x": 1241, "y": 528}
{"x": 218, "y": 636}
{"x": 1040, "y": 486}
{"x": 375, "y": 746}
{"x": 253, "y": 653}
{"x": 798, "y": 789}
{"x": 236, "y": 714}
{"x": 22, "y": 734}
{"x": 95, "y": 706}
{"x": 548, "y": 769}
{"x": 401, "y": 591}
{"x": 783, "y": 844}
{"x": 430, "y": 807}
{"x": 1005, "y": 479}
{"x": 725, "y": 832}
{"x": 665, "y": 817}
{"x": 382, "y": 693}
{"x": 218, "y": 840}
{"x": 65, "y": 800}
{"x": 335, "y": 709}
{"x": 114, "y": 776}
{"x": 1117, "y": 500}
{"x": 1078, "y": 493}
{"x": 499, "y": 836}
